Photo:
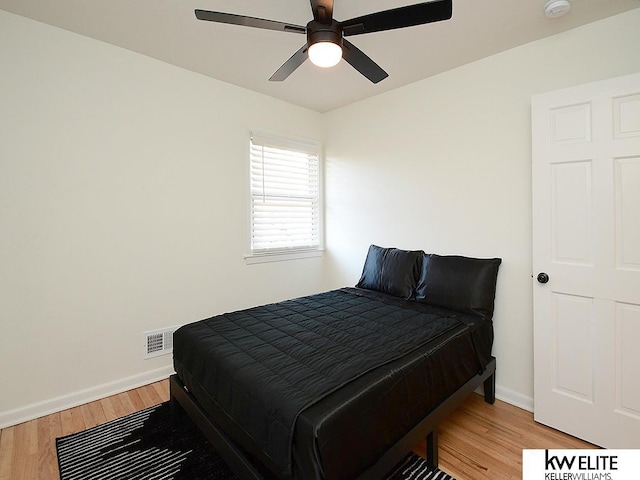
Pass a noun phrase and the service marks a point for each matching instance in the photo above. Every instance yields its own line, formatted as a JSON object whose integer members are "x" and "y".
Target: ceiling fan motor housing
{"x": 322, "y": 32}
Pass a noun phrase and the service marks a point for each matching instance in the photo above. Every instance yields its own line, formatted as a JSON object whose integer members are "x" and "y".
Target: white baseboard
{"x": 514, "y": 398}
{"x": 40, "y": 409}
{"x": 509, "y": 396}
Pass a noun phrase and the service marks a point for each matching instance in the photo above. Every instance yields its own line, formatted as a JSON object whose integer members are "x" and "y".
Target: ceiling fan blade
{"x": 361, "y": 62}
{"x": 401, "y": 17}
{"x": 233, "y": 19}
{"x": 290, "y": 65}
{"x": 322, "y": 11}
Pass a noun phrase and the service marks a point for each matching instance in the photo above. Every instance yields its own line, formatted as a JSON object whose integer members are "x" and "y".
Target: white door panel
{"x": 573, "y": 342}
{"x": 628, "y": 359}
{"x": 586, "y": 224}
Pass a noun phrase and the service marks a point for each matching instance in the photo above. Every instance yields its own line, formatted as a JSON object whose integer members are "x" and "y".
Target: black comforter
{"x": 288, "y": 376}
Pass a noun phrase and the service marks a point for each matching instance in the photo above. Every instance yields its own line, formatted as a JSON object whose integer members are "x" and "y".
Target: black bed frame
{"x": 246, "y": 469}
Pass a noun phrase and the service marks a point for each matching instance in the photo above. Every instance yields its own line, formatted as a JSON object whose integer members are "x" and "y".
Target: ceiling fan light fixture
{"x": 325, "y": 54}
{"x": 326, "y": 45}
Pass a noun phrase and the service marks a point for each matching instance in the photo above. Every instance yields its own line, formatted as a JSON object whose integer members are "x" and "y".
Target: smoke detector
{"x": 556, "y": 8}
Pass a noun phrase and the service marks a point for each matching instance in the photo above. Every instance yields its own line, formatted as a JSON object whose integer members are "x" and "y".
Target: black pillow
{"x": 392, "y": 271}
{"x": 459, "y": 283}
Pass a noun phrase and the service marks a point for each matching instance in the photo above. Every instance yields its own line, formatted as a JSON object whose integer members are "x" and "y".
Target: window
{"x": 285, "y": 207}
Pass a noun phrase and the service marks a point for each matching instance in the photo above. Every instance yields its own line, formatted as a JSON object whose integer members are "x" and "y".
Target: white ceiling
{"x": 168, "y": 30}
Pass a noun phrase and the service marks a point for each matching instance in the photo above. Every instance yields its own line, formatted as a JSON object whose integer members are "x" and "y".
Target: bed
{"x": 342, "y": 384}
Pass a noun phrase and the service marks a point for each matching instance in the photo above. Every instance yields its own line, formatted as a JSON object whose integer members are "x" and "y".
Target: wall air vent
{"x": 158, "y": 342}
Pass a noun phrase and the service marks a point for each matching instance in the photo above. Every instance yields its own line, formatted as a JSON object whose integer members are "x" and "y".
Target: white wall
{"x": 122, "y": 187}
{"x": 444, "y": 165}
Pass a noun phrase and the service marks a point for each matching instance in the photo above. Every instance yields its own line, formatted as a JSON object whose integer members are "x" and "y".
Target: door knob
{"x": 543, "y": 278}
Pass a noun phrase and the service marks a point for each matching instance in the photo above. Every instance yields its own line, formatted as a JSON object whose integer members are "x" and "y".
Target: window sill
{"x": 281, "y": 257}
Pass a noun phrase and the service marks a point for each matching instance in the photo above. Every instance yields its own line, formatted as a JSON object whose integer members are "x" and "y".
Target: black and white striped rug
{"x": 146, "y": 445}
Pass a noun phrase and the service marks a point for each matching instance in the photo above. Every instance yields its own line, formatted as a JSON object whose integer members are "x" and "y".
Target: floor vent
{"x": 158, "y": 342}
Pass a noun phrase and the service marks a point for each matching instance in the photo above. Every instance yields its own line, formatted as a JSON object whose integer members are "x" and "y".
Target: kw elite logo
{"x": 581, "y": 464}
{"x": 589, "y": 467}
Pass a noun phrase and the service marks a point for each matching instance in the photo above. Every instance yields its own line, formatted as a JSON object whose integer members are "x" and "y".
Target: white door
{"x": 586, "y": 240}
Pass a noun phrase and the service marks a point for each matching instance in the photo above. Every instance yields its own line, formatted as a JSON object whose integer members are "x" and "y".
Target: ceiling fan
{"x": 325, "y": 36}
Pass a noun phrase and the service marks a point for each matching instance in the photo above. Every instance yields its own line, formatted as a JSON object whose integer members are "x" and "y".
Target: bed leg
{"x": 490, "y": 389}
{"x": 432, "y": 448}
{"x": 177, "y": 412}
{"x": 174, "y": 406}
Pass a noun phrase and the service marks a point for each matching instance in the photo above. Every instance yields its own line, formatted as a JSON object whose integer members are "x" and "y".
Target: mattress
{"x": 318, "y": 387}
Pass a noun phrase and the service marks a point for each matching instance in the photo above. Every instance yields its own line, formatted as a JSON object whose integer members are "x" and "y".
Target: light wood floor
{"x": 478, "y": 442}
{"x": 485, "y": 442}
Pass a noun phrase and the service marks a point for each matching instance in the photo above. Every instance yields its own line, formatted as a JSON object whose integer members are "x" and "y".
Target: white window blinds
{"x": 285, "y": 195}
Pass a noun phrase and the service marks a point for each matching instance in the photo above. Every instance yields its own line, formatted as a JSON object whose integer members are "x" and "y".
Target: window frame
{"x": 298, "y": 144}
